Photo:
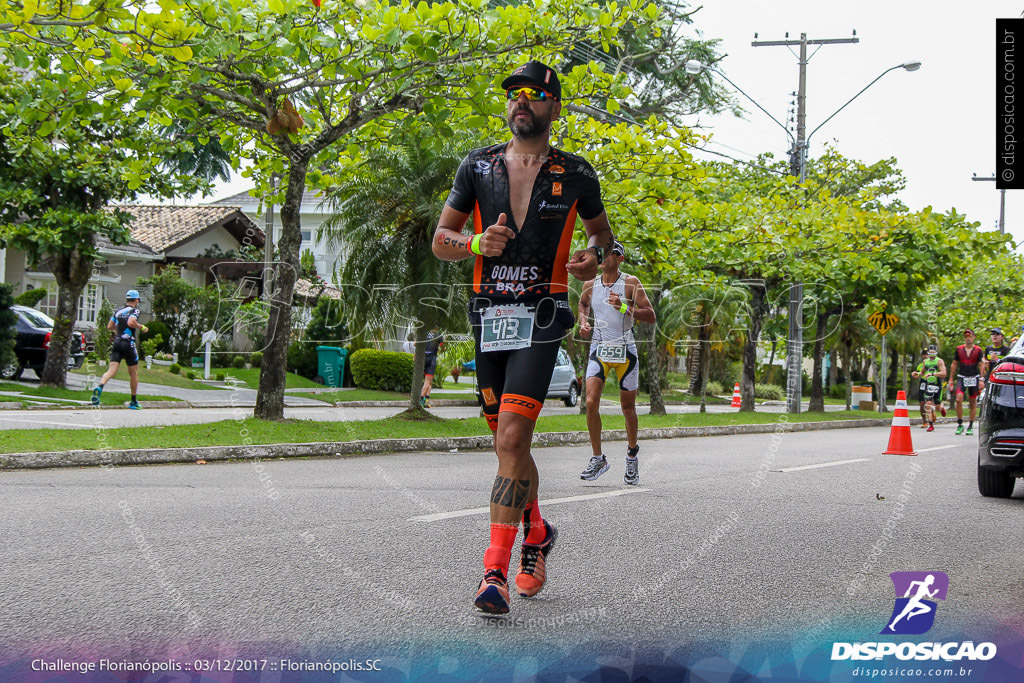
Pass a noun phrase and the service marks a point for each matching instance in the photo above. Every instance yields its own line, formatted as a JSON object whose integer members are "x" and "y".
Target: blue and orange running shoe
{"x": 533, "y": 564}
{"x": 492, "y": 597}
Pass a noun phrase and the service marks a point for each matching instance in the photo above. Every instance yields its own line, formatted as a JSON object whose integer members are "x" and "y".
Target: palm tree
{"x": 207, "y": 160}
{"x": 385, "y": 213}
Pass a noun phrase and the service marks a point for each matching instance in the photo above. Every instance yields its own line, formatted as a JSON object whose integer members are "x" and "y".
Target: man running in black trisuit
{"x": 523, "y": 196}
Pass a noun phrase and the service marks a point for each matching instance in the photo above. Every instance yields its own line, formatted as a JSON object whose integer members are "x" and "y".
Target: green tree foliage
{"x": 278, "y": 83}
{"x": 385, "y": 213}
{"x": 70, "y": 144}
{"x": 188, "y": 311}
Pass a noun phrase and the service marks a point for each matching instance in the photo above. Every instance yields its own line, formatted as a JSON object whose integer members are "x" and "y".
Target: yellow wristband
{"x": 623, "y": 308}
{"x": 474, "y": 245}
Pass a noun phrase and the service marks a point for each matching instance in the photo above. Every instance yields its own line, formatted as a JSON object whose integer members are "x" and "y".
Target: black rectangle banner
{"x": 1009, "y": 149}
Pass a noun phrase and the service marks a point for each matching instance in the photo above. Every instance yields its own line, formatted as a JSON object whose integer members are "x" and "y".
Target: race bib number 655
{"x": 506, "y": 328}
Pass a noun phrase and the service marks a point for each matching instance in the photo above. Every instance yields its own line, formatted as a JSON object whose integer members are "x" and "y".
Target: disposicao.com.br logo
{"x": 914, "y": 613}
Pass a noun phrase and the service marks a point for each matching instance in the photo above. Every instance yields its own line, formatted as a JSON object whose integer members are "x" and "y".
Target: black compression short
{"x": 124, "y": 350}
{"x": 518, "y": 380}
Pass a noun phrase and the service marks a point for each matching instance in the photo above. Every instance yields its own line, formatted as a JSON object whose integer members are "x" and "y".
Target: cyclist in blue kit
{"x": 125, "y": 325}
{"x": 524, "y": 197}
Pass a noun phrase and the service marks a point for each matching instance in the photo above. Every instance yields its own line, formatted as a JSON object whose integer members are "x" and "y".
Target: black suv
{"x": 32, "y": 342}
{"x": 1001, "y": 427}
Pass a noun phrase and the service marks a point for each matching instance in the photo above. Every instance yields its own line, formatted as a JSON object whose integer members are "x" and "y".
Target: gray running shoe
{"x": 597, "y": 466}
{"x": 632, "y": 476}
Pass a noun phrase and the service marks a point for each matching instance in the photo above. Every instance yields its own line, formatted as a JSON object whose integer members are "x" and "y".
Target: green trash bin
{"x": 330, "y": 365}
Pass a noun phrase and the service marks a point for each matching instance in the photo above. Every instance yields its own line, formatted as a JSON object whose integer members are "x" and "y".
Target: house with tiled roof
{"x": 313, "y": 211}
{"x": 192, "y": 238}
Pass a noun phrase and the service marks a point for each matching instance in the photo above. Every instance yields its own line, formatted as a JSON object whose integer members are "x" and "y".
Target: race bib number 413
{"x": 506, "y": 328}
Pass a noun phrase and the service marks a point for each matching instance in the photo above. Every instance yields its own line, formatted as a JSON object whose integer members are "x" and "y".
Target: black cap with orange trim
{"x": 537, "y": 74}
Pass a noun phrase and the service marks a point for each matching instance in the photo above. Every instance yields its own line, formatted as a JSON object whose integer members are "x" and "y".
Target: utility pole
{"x": 1002, "y": 203}
{"x": 798, "y": 167}
{"x": 268, "y": 245}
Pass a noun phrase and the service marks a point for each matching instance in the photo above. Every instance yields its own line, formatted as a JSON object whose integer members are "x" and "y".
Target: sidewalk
{"x": 199, "y": 398}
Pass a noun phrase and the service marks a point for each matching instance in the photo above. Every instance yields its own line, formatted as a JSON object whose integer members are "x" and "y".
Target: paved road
{"x": 379, "y": 555}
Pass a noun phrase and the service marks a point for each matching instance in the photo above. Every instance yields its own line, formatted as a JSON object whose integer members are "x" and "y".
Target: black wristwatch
{"x": 600, "y": 253}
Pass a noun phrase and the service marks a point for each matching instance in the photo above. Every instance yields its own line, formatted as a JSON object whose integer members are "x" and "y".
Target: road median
{"x": 151, "y": 456}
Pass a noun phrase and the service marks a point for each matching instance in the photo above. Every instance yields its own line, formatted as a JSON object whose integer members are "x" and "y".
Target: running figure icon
{"x": 916, "y": 595}
{"x": 915, "y": 606}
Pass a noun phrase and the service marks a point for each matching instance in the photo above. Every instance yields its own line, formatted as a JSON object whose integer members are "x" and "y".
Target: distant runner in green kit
{"x": 931, "y": 372}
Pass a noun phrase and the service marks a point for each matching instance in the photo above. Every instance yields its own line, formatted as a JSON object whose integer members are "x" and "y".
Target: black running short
{"x": 930, "y": 392}
{"x": 517, "y": 381}
{"x": 124, "y": 350}
{"x": 970, "y": 392}
{"x": 430, "y": 364}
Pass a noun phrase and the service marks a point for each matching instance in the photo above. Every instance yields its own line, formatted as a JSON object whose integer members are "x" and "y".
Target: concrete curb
{"x": 92, "y": 458}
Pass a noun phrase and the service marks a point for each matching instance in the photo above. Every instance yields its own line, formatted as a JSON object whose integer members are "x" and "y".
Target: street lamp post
{"x": 800, "y": 146}
{"x": 1002, "y": 203}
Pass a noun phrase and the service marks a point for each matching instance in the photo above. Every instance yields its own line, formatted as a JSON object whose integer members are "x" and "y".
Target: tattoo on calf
{"x": 510, "y": 493}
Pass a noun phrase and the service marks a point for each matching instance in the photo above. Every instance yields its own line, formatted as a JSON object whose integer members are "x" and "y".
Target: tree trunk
{"x": 274, "y": 369}
{"x": 833, "y": 368}
{"x": 72, "y": 271}
{"x": 848, "y": 368}
{"x": 418, "y": 364}
{"x": 758, "y": 310}
{"x": 705, "y": 363}
{"x": 817, "y": 402}
{"x": 653, "y": 359}
{"x": 771, "y": 359}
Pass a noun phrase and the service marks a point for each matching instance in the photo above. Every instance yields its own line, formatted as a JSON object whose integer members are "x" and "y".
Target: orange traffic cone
{"x": 899, "y": 435}
{"x": 737, "y": 401}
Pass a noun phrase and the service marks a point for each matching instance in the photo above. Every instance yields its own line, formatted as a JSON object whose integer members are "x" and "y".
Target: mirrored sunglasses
{"x": 532, "y": 94}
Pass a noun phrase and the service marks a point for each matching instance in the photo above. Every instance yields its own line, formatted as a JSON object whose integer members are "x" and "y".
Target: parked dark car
{"x": 32, "y": 342}
{"x": 1001, "y": 428}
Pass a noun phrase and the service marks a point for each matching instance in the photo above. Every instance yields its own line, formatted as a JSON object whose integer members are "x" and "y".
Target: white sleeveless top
{"x": 610, "y": 326}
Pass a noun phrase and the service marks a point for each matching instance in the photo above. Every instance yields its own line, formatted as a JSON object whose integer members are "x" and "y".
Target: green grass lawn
{"x": 158, "y": 374}
{"x": 251, "y": 377}
{"x": 107, "y": 398}
{"x": 352, "y": 395}
{"x": 228, "y": 432}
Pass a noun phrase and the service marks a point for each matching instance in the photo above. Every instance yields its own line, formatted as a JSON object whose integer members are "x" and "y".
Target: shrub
{"x": 302, "y": 359}
{"x": 837, "y": 391}
{"x": 150, "y": 344}
{"x": 175, "y": 369}
{"x": 31, "y": 297}
{"x": 714, "y": 388}
{"x": 103, "y": 338}
{"x": 8, "y": 319}
{"x": 220, "y": 376}
{"x": 191, "y": 374}
{"x": 769, "y": 392}
{"x": 238, "y": 362}
{"x": 157, "y": 328}
{"x": 256, "y": 358}
{"x": 383, "y": 370}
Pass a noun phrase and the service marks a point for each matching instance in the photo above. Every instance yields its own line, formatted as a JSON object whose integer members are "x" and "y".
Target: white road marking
{"x": 45, "y": 422}
{"x": 937, "y": 448}
{"x": 822, "y": 464}
{"x": 552, "y": 501}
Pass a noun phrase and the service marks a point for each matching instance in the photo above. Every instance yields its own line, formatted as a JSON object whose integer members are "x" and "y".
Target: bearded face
{"x": 528, "y": 119}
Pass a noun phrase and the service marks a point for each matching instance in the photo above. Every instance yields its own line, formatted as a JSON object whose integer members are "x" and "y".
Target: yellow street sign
{"x": 883, "y": 322}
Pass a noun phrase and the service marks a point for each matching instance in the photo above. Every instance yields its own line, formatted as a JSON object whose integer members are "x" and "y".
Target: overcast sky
{"x": 938, "y": 121}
